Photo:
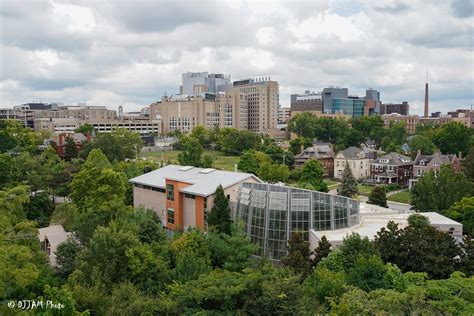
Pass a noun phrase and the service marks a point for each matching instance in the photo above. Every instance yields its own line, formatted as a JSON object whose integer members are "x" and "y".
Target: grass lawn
{"x": 331, "y": 182}
{"x": 220, "y": 160}
{"x": 364, "y": 189}
{"x": 400, "y": 197}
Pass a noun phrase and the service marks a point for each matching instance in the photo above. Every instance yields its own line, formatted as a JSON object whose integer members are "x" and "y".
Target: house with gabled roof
{"x": 322, "y": 152}
{"x": 392, "y": 168}
{"x": 425, "y": 163}
{"x": 357, "y": 159}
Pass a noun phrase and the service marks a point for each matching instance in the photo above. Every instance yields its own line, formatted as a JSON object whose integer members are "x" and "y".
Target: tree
{"x": 463, "y": 212}
{"x": 299, "y": 143}
{"x": 322, "y": 251}
{"x": 39, "y": 208}
{"x": 353, "y": 246}
{"x": 96, "y": 182}
{"x": 453, "y": 138}
{"x": 385, "y": 242}
{"x": 312, "y": 172}
{"x": 437, "y": 191}
{"x": 419, "y": 247}
{"x": 467, "y": 256}
{"x": 192, "y": 154}
{"x": 85, "y": 129}
{"x": 348, "y": 185}
{"x": 219, "y": 216}
{"x": 423, "y": 144}
{"x": 66, "y": 257}
{"x": 201, "y": 134}
{"x": 369, "y": 127}
{"x": 273, "y": 172}
{"x": 468, "y": 165}
{"x": 378, "y": 196}
{"x": 117, "y": 145}
{"x": 248, "y": 162}
{"x": 368, "y": 273}
{"x": 70, "y": 149}
{"x": 324, "y": 285}
{"x": 10, "y": 170}
{"x": 299, "y": 255}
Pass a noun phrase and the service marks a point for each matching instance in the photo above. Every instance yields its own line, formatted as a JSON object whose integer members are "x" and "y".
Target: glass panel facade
{"x": 271, "y": 213}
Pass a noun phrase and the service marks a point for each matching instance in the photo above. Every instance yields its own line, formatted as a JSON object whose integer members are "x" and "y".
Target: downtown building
{"x": 245, "y": 104}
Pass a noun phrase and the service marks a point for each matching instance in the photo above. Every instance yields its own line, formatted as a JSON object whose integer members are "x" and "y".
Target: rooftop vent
{"x": 206, "y": 171}
{"x": 186, "y": 168}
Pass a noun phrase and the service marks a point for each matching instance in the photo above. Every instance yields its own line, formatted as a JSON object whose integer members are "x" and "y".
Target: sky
{"x": 130, "y": 53}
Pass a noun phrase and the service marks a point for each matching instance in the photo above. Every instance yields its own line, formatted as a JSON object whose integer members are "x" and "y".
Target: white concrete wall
{"x": 151, "y": 199}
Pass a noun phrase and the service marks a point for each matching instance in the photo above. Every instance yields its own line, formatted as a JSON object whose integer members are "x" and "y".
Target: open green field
{"x": 364, "y": 189}
{"x": 220, "y": 160}
{"x": 400, "y": 197}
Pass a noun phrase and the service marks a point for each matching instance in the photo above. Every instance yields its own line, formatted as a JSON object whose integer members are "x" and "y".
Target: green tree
{"x": 248, "y": 162}
{"x": 117, "y": 145}
{"x": 192, "y": 154}
{"x": 385, "y": 240}
{"x": 299, "y": 255}
{"x": 14, "y": 136}
{"x": 324, "y": 285}
{"x": 10, "y": 170}
{"x": 423, "y": 144}
{"x": 463, "y": 212}
{"x": 453, "y": 138}
{"x": 322, "y": 251}
{"x": 438, "y": 191}
{"x": 378, "y": 196}
{"x": 368, "y": 273}
{"x": 66, "y": 257}
{"x": 467, "y": 256}
{"x": 273, "y": 172}
{"x": 219, "y": 216}
{"x": 39, "y": 208}
{"x": 70, "y": 149}
{"x": 312, "y": 172}
{"x": 468, "y": 165}
{"x": 369, "y": 127}
{"x": 299, "y": 143}
{"x": 202, "y": 134}
{"x": 85, "y": 129}
{"x": 348, "y": 185}
{"x": 353, "y": 246}
{"x": 302, "y": 124}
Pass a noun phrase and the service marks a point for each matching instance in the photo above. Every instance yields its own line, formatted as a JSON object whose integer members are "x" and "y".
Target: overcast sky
{"x": 131, "y": 52}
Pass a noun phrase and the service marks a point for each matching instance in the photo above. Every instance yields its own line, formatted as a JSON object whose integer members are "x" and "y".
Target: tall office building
{"x": 333, "y": 93}
{"x": 182, "y": 112}
{"x": 372, "y": 102}
{"x": 263, "y": 99}
{"x": 194, "y": 83}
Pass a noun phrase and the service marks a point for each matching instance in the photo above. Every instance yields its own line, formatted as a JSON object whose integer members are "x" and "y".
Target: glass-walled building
{"x": 271, "y": 213}
{"x": 349, "y": 106}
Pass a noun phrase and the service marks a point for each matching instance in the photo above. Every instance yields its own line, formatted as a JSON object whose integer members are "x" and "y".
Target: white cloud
{"x": 130, "y": 53}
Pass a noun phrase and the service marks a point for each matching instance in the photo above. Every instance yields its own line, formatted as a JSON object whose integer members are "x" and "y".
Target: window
{"x": 170, "y": 215}
{"x": 170, "y": 192}
{"x": 189, "y": 196}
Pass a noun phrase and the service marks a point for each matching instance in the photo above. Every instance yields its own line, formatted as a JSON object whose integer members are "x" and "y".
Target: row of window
{"x": 150, "y": 188}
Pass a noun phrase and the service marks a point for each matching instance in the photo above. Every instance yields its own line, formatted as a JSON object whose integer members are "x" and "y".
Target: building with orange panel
{"x": 181, "y": 196}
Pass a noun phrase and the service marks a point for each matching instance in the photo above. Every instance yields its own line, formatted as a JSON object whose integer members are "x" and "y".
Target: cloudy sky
{"x": 131, "y": 52}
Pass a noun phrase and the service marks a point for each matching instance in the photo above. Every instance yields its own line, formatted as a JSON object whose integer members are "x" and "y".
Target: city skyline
{"x": 131, "y": 54}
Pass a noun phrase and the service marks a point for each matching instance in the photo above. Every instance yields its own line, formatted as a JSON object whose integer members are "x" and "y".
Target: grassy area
{"x": 220, "y": 160}
{"x": 364, "y": 189}
{"x": 400, "y": 197}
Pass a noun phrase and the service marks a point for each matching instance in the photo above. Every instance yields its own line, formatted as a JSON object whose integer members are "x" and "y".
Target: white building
{"x": 357, "y": 159}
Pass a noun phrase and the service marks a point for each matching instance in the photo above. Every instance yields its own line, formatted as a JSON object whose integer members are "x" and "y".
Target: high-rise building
{"x": 307, "y": 102}
{"x": 182, "y": 112}
{"x": 284, "y": 115}
{"x": 331, "y": 93}
{"x": 372, "y": 102}
{"x": 398, "y": 108}
{"x": 194, "y": 83}
{"x": 263, "y": 99}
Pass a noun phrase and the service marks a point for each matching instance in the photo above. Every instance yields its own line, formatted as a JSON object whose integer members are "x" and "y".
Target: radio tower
{"x": 426, "y": 96}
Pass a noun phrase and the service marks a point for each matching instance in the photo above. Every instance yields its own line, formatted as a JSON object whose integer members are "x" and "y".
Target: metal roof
{"x": 203, "y": 181}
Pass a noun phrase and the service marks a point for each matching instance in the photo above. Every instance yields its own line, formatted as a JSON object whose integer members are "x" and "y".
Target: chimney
{"x": 426, "y": 96}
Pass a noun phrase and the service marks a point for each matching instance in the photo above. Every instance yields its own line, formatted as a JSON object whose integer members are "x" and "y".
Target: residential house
{"x": 182, "y": 195}
{"x": 392, "y": 168}
{"x": 50, "y": 237}
{"x": 424, "y": 163}
{"x": 357, "y": 159}
{"x": 322, "y": 152}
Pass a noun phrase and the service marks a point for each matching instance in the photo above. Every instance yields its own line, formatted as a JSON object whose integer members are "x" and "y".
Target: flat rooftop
{"x": 202, "y": 181}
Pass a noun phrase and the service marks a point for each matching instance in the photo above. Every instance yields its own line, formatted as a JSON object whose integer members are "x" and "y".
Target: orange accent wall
{"x": 200, "y": 212}
{"x": 177, "y": 205}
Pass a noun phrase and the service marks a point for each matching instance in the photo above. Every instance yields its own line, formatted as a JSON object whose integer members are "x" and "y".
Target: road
{"x": 401, "y": 207}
